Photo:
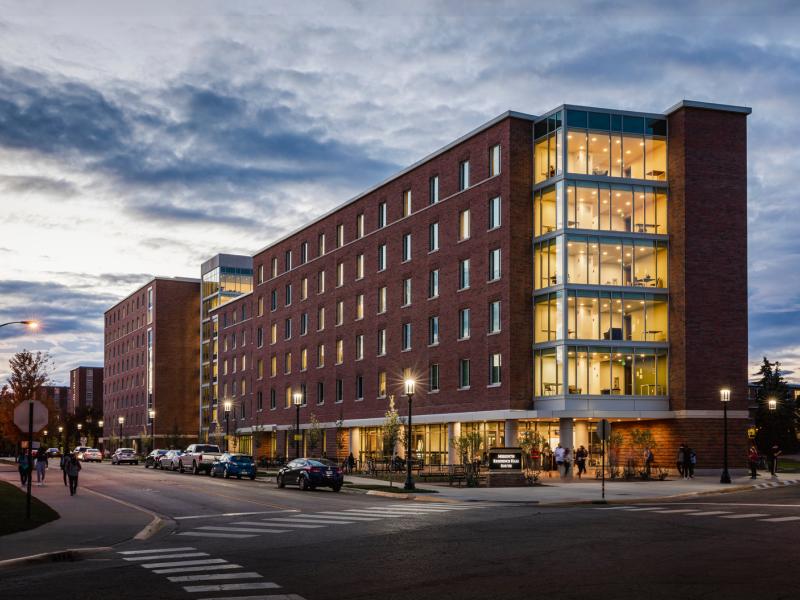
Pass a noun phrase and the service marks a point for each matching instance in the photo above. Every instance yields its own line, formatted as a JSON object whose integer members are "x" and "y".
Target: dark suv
{"x": 310, "y": 473}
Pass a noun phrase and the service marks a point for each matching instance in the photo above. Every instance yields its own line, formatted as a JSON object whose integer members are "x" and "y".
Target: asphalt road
{"x": 321, "y": 545}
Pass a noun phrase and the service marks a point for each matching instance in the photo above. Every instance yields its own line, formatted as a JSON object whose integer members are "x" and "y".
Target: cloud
{"x": 17, "y": 185}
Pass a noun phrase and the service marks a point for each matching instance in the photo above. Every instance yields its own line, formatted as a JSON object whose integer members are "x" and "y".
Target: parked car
{"x": 53, "y": 452}
{"x": 124, "y": 455}
{"x": 171, "y": 460}
{"x": 310, "y": 473}
{"x": 79, "y": 450}
{"x": 153, "y": 459}
{"x": 234, "y": 464}
{"x": 92, "y": 455}
{"x": 199, "y": 458}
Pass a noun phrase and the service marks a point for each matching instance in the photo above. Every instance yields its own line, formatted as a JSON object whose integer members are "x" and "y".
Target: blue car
{"x": 234, "y": 464}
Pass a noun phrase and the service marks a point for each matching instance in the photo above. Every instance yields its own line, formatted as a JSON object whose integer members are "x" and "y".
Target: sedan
{"x": 124, "y": 455}
{"x": 79, "y": 450}
{"x": 310, "y": 473}
{"x": 53, "y": 452}
{"x": 170, "y": 460}
{"x": 153, "y": 459}
{"x": 92, "y": 455}
{"x": 234, "y": 464}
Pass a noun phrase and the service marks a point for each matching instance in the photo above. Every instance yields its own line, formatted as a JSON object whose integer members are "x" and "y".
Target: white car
{"x": 171, "y": 460}
{"x": 92, "y": 455}
{"x": 79, "y": 450}
{"x": 124, "y": 455}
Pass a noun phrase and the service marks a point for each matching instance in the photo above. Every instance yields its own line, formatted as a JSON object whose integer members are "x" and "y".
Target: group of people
{"x": 754, "y": 460}
{"x": 686, "y": 461}
{"x": 563, "y": 458}
{"x": 69, "y": 463}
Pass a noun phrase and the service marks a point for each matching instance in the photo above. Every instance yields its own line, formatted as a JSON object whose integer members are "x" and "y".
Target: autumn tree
{"x": 29, "y": 372}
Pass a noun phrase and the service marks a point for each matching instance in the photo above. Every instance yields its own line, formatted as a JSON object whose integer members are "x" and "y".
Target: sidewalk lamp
{"x": 121, "y": 421}
{"x": 226, "y": 406}
{"x": 152, "y": 414}
{"x": 772, "y": 404}
{"x": 725, "y": 397}
{"x": 100, "y": 425}
{"x": 410, "y": 384}
{"x": 298, "y": 401}
{"x": 63, "y": 441}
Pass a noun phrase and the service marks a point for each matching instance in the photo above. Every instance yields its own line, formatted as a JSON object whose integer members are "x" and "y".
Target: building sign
{"x": 505, "y": 459}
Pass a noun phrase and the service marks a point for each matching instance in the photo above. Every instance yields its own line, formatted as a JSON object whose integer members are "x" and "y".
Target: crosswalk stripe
{"x": 709, "y": 513}
{"x": 416, "y": 507}
{"x": 637, "y": 509}
{"x": 185, "y": 563}
{"x": 262, "y": 527}
{"x": 157, "y": 551}
{"x": 217, "y": 535}
{"x": 170, "y": 556}
{"x": 781, "y": 519}
{"x": 613, "y": 508}
{"x": 744, "y": 516}
{"x": 215, "y": 577}
{"x": 403, "y": 512}
{"x": 290, "y": 524}
{"x": 323, "y": 520}
{"x": 350, "y": 517}
{"x": 196, "y": 569}
{"x": 267, "y": 597}
{"x": 232, "y": 529}
{"x": 372, "y": 513}
{"x": 231, "y": 587}
{"x": 677, "y": 510}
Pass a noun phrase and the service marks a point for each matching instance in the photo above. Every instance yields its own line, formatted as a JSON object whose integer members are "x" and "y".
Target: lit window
{"x": 261, "y": 306}
{"x": 463, "y": 175}
{"x": 406, "y": 203}
{"x": 339, "y": 351}
{"x": 288, "y": 396}
{"x": 260, "y": 368}
{"x": 321, "y": 282}
{"x": 304, "y": 288}
{"x": 339, "y": 235}
{"x": 381, "y": 300}
{"x": 360, "y": 225}
{"x": 360, "y": 306}
{"x": 320, "y": 318}
{"x": 274, "y": 267}
{"x": 494, "y": 160}
{"x": 320, "y": 355}
{"x": 360, "y": 266}
{"x": 339, "y": 312}
{"x": 273, "y": 333}
{"x": 463, "y": 225}
{"x": 273, "y": 366}
{"x": 287, "y": 363}
{"x": 339, "y": 274}
{"x": 303, "y": 359}
{"x": 382, "y": 384}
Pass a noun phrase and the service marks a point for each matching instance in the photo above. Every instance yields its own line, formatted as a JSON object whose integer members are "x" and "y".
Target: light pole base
{"x": 409, "y": 485}
{"x": 725, "y": 478}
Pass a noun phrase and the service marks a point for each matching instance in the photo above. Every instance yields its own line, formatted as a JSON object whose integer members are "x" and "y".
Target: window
{"x": 303, "y": 359}
{"x": 287, "y": 329}
{"x": 273, "y": 300}
{"x": 463, "y": 225}
{"x": 433, "y": 330}
{"x": 261, "y": 306}
{"x": 546, "y": 259}
{"x": 463, "y": 373}
{"x": 339, "y": 351}
{"x": 381, "y": 215}
{"x": 382, "y": 300}
{"x": 433, "y": 377}
{"x": 359, "y": 307}
{"x": 261, "y": 273}
{"x": 494, "y": 316}
{"x": 406, "y": 247}
{"x": 360, "y": 266}
{"x": 304, "y": 324}
{"x": 320, "y": 244}
{"x": 382, "y": 257}
{"x": 406, "y": 336}
{"x": 359, "y": 387}
{"x": 494, "y": 264}
{"x": 381, "y": 342}
{"x": 381, "y": 384}
{"x": 288, "y": 396}
{"x": 303, "y": 253}
{"x": 547, "y": 148}
{"x": 339, "y": 274}
{"x": 434, "y": 189}
{"x": 287, "y": 260}
{"x": 339, "y": 312}
{"x": 339, "y": 390}
{"x": 339, "y": 235}
{"x": 360, "y": 347}
{"x": 320, "y": 318}
{"x": 287, "y": 363}
{"x": 260, "y": 337}
{"x": 320, "y": 392}
{"x": 406, "y": 292}
{"x": 463, "y": 323}
{"x": 433, "y": 283}
{"x": 494, "y": 368}
{"x": 406, "y": 203}
{"x": 320, "y": 355}
{"x": 433, "y": 237}
{"x": 288, "y": 294}
{"x": 360, "y": 225}
{"x": 494, "y": 160}
{"x": 463, "y": 274}
{"x": 321, "y": 282}
{"x": 304, "y": 288}
{"x": 273, "y": 269}
{"x": 260, "y": 400}
{"x": 273, "y": 365}
{"x": 494, "y": 212}
{"x": 272, "y": 399}
{"x": 463, "y": 175}
{"x": 260, "y": 368}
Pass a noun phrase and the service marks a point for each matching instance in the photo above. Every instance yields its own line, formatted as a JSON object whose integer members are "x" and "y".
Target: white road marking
{"x": 217, "y": 535}
{"x": 419, "y": 507}
{"x": 185, "y": 563}
{"x": 262, "y": 527}
{"x": 372, "y": 513}
{"x": 319, "y": 519}
{"x": 267, "y": 597}
{"x": 709, "y": 513}
{"x": 170, "y": 556}
{"x": 744, "y": 516}
{"x": 781, "y": 519}
{"x": 184, "y": 549}
{"x": 614, "y": 508}
{"x": 349, "y": 517}
{"x": 196, "y": 569}
{"x": 283, "y": 523}
{"x": 239, "y": 514}
{"x": 678, "y": 510}
{"x": 642, "y": 509}
{"x": 216, "y": 577}
{"x": 231, "y": 587}
{"x": 238, "y": 529}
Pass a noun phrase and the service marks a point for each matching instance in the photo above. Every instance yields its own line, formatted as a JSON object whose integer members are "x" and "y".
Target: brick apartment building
{"x": 539, "y": 273}
{"x": 86, "y": 389}
{"x": 152, "y": 350}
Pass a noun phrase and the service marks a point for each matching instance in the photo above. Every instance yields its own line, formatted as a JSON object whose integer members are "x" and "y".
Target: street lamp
{"x": 152, "y": 415}
{"x": 772, "y": 403}
{"x": 410, "y": 385}
{"x": 226, "y": 406}
{"x": 30, "y": 324}
{"x": 121, "y": 421}
{"x": 298, "y": 400}
{"x": 725, "y": 397}
{"x": 100, "y": 425}
{"x": 61, "y": 435}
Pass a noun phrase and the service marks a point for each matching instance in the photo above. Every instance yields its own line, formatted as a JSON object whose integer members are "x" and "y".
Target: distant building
{"x": 56, "y": 396}
{"x": 86, "y": 389}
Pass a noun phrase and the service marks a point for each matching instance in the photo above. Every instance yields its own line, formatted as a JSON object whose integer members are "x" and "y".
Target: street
{"x": 243, "y": 539}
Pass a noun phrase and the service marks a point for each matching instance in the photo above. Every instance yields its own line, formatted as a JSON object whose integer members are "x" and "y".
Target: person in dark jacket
{"x": 41, "y": 466}
{"x": 73, "y": 468}
{"x": 24, "y": 468}
{"x": 774, "y": 453}
{"x": 679, "y": 459}
{"x": 581, "y": 454}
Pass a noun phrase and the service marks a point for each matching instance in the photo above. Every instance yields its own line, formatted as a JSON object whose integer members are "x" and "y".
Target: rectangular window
{"x": 463, "y": 373}
{"x": 406, "y": 292}
{"x": 273, "y": 300}
{"x": 261, "y": 273}
{"x": 273, "y": 365}
{"x": 433, "y": 284}
{"x": 433, "y": 330}
{"x": 463, "y": 274}
{"x": 320, "y": 392}
{"x": 339, "y": 390}
{"x": 359, "y": 307}
{"x": 303, "y": 323}
{"x": 287, "y": 329}
{"x": 382, "y": 257}
{"x": 303, "y": 253}
{"x": 339, "y": 312}
{"x": 320, "y": 244}
{"x": 494, "y": 213}
{"x": 261, "y": 306}
{"x": 360, "y": 225}
{"x": 273, "y": 333}
{"x": 381, "y": 384}
{"x": 273, "y": 403}
{"x": 406, "y": 247}
{"x": 433, "y": 237}
{"x": 463, "y": 324}
{"x": 288, "y": 397}
{"x": 433, "y": 377}
{"x": 494, "y": 264}
{"x": 321, "y": 282}
{"x": 381, "y": 300}
{"x": 494, "y": 368}
{"x": 359, "y": 347}
{"x": 434, "y": 190}
{"x": 304, "y": 288}
{"x": 260, "y": 337}
{"x": 381, "y": 342}
{"x": 339, "y": 235}
{"x": 287, "y": 363}
{"x": 287, "y": 260}
{"x": 339, "y": 274}
{"x": 320, "y": 355}
{"x": 303, "y": 359}
{"x": 494, "y": 160}
{"x": 360, "y": 266}
{"x": 260, "y": 368}
{"x": 463, "y": 225}
{"x": 494, "y": 316}
{"x": 260, "y": 400}
{"x": 381, "y": 215}
{"x": 339, "y": 351}
{"x": 288, "y": 294}
{"x": 406, "y": 336}
{"x": 406, "y": 203}
{"x": 320, "y": 318}
{"x": 463, "y": 175}
{"x": 273, "y": 269}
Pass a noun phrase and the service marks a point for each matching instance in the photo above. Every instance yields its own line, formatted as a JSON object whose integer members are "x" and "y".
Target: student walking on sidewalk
{"x": 63, "y": 464}
{"x": 73, "y": 468}
{"x": 41, "y": 466}
{"x": 24, "y": 468}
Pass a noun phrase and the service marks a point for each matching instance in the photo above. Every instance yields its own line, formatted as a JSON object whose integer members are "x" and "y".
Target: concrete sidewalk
{"x": 87, "y": 520}
{"x": 554, "y": 491}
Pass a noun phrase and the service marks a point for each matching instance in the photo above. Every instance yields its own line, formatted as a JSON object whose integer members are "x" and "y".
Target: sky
{"x": 139, "y": 139}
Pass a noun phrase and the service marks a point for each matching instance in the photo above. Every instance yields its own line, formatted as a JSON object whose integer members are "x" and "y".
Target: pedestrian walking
{"x": 24, "y": 468}
{"x": 567, "y": 463}
{"x": 774, "y": 453}
{"x": 63, "y": 464}
{"x": 687, "y": 461}
{"x": 41, "y": 466}
{"x": 73, "y": 468}
{"x": 692, "y": 461}
{"x": 558, "y": 454}
{"x": 351, "y": 463}
{"x": 580, "y": 459}
{"x": 752, "y": 460}
{"x": 679, "y": 459}
{"x": 648, "y": 461}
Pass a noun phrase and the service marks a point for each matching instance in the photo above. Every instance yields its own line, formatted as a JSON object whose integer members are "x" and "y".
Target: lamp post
{"x": 297, "y": 398}
{"x": 772, "y": 404}
{"x": 152, "y": 414}
{"x": 30, "y": 324}
{"x": 63, "y": 442}
{"x": 725, "y": 397}
{"x": 102, "y": 443}
{"x": 226, "y": 406}
{"x": 121, "y": 421}
{"x": 409, "y": 384}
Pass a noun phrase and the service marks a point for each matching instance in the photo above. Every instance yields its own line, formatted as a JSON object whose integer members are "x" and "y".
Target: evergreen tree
{"x": 777, "y": 426}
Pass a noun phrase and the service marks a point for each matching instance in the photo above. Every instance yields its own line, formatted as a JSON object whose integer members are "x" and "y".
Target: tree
{"x": 468, "y": 445}
{"x": 314, "y": 434}
{"x": 777, "y": 426}
{"x": 29, "y": 372}
{"x": 392, "y": 429}
{"x": 530, "y": 441}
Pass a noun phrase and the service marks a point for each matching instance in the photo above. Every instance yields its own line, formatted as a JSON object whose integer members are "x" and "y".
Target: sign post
{"x": 604, "y": 429}
{"x": 29, "y": 417}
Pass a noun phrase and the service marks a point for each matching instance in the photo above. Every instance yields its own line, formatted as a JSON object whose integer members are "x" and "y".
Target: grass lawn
{"x": 12, "y": 507}
{"x": 788, "y": 466}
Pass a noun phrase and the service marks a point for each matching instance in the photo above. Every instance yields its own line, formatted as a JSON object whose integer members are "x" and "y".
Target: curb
{"x": 69, "y": 555}
{"x": 154, "y": 526}
{"x": 401, "y": 496}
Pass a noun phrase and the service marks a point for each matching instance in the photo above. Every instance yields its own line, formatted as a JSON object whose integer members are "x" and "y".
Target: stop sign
{"x": 22, "y": 416}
